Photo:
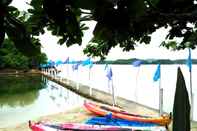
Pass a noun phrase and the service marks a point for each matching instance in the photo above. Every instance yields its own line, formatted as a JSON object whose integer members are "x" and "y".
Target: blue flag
{"x": 43, "y": 65}
{"x": 157, "y": 73}
{"x": 109, "y": 74}
{"x": 91, "y": 64}
{"x": 87, "y": 62}
{"x": 189, "y": 61}
{"x": 66, "y": 61}
{"x": 137, "y": 63}
{"x": 75, "y": 66}
{"x": 50, "y": 63}
{"x": 59, "y": 62}
{"x": 106, "y": 66}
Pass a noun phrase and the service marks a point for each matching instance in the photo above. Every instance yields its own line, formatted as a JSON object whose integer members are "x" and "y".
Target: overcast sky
{"x": 151, "y": 51}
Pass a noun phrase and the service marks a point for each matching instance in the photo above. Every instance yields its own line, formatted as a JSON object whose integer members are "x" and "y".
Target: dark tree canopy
{"x": 119, "y": 22}
{"x": 10, "y": 57}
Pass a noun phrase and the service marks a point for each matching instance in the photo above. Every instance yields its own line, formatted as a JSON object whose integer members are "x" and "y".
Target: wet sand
{"x": 78, "y": 115}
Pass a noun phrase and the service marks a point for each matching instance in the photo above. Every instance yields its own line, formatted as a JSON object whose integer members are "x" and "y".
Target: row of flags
{"x": 89, "y": 63}
{"x": 157, "y": 73}
{"x": 156, "y": 76}
{"x": 109, "y": 74}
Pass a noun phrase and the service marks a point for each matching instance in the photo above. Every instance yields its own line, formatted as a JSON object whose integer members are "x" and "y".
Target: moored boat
{"x": 42, "y": 126}
{"x": 103, "y": 110}
{"x": 108, "y": 120}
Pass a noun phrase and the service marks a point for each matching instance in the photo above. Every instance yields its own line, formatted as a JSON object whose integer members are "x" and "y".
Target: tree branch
{"x": 183, "y": 16}
{"x": 83, "y": 12}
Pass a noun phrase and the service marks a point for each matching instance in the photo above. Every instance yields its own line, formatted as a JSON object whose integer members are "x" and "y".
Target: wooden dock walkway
{"x": 101, "y": 96}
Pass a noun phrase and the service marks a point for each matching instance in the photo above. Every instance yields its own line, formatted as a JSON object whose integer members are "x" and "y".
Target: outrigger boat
{"x": 103, "y": 110}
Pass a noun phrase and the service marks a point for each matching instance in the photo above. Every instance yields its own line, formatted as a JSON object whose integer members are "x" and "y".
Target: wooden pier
{"x": 101, "y": 96}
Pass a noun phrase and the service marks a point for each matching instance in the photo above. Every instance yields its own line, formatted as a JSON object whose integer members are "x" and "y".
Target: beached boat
{"x": 103, "y": 110}
{"x": 108, "y": 120}
{"x": 43, "y": 126}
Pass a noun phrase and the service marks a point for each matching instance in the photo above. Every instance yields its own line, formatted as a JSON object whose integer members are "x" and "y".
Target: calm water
{"x": 24, "y": 98}
{"x": 136, "y": 83}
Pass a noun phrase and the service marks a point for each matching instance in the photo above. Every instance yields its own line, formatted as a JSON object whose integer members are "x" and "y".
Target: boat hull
{"x": 41, "y": 126}
{"x": 102, "y": 110}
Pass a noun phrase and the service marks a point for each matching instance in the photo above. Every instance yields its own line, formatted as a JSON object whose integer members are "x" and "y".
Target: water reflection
{"x": 32, "y": 97}
{"x": 58, "y": 94}
{"x": 18, "y": 99}
{"x": 19, "y": 90}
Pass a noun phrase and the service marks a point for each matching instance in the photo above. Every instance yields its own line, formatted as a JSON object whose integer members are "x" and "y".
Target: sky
{"x": 142, "y": 51}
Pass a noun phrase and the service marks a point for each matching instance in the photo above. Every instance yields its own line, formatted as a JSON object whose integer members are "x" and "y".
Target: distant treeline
{"x": 146, "y": 61}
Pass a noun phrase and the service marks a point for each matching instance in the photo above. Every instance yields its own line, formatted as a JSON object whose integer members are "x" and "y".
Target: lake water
{"x": 136, "y": 83}
{"x": 24, "y": 98}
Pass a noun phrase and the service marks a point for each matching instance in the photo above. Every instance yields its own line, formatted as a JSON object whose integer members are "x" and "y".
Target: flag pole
{"x": 160, "y": 98}
{"x": 90, "y": 82}
{"x": 189, "y": 63}
{"x": 77, "y": 77}
{"x": 67, "y": 67}
{"x": 109, "y": 76}
{"x": 191, "y": 95}
{"x": 136, "y": 63}
{"x": 157, "y": 76}
{"x": 136, "y": 84}
{"x": 108, "y": 84}
{"x": 113, "y": 95}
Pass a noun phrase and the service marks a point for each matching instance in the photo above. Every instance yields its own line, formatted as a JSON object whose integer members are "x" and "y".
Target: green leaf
{"x": 37, "y": 4}
{"x": 62, "y": 41}
{"x": 2, "y": 30}
{"x": 84, "y": 27}
{"x": 102, "y": 32}
{"x": 85, "y": 4}
{"x": 5, "y": 2}
{"x": 16, "y": 31}
{"x": 2, "y": 36}
{"x": 12, "y": 8}
{"x": 146, "y": 39}
{"x": 136, "y": 8}
{"x": 13, "y": 11}
{"x": 154, "y": 2}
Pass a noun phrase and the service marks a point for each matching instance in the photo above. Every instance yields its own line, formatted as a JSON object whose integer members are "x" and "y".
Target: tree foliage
{"x": 10, "y": 57}
{"x": 119, "y": 22}
{"x": 16, "y": 30}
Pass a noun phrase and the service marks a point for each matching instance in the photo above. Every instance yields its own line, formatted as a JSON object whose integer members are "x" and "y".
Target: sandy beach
{"x": 77, "y": 114}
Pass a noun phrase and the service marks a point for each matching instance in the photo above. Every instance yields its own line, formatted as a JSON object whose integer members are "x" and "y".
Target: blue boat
{"x": 108, "y": 120}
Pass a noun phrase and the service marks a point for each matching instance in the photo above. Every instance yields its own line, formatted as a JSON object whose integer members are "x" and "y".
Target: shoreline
{"x": 77, "y": 114}
{"x": 74, "y": 115}
{"x": 16, "y": 71}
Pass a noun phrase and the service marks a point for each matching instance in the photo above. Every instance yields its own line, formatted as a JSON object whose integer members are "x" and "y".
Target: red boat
{"x": 42, "y": 126}
{"x": 103, "y": 110}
